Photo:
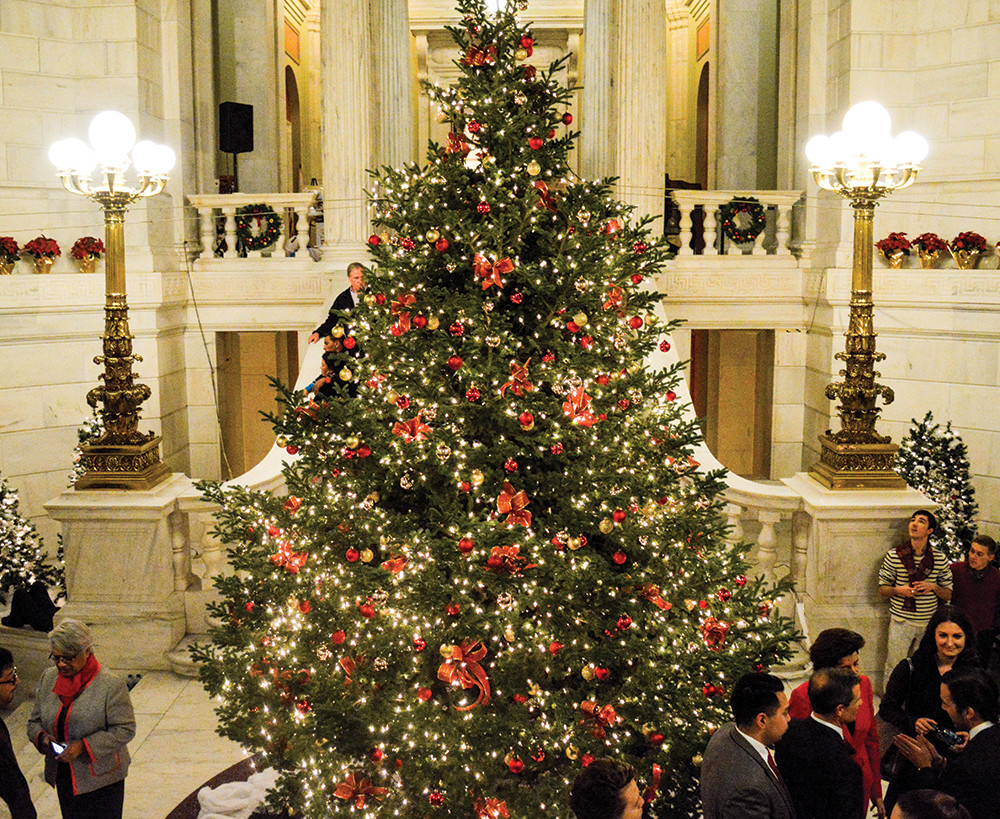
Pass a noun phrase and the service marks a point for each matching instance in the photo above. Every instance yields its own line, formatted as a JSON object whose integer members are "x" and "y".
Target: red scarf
{"x": 913, "y": 571}
{"x": 69, "y": 688}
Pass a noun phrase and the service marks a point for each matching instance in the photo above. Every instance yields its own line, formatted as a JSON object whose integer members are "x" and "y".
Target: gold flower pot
{"x": 966, "y": 259}
{"x": 43, "y": 264}
{"x": 894, "y": 258}
{"x": 87, "y": 264}
{"x": 6, "y": 268}
{"x": 928, "y": 259}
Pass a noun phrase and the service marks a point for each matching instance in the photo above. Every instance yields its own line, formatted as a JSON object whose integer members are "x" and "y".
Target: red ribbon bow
{"x": 290, "y": 561}
{"x": 614, "y": 299}
{"x": 457, "y": 144}
{"x": 519, "y": 383}
{"x": 491, "y": 272}
{"x": 395, "y": 563}
{"x": 478, "y": 56}
{"x": 577, "y": 408}
{"x": 652, "y": 594}
{"x": 714, "y": 632}
{"x": 350, "y": 665}
{"x": 545, "y": 199}
{"x": 513, "y": 503}
{"x": 401, "y": 303}
{"x": 491, "y": 808}
{"x": 462, "y": 668}
{"x": 412, "y": 430}
{"x": 602, "y": 716}
{"x": 358, "y": 789}
{"x": 509, "y": 559}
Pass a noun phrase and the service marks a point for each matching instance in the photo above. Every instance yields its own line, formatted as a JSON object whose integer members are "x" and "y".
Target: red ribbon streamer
{"x": 545, "y": 199}
{"x": 652, "y": 594}
{"x": 519, "y": 383}
{"x": 649, "y": 794}
{"x": 357, "y": 789}
{"x": 462, "y": 667}
{"x": 491, "y": 808}
{"x": 512, "y": 503}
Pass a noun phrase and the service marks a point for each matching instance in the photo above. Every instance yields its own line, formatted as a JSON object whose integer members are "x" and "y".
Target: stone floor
{"x": 175, "y": 749}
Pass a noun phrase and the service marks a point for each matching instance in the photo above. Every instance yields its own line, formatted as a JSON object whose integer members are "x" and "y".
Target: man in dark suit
{"x": 817, "y": 764}
{"x": 13, "y": 786}
{"x": 969, "y": 697}
{"x": 738, "y": 776}
{"x": 346, "y": 301}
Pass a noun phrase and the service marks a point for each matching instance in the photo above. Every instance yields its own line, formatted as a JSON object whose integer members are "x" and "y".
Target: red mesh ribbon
{"x": 603, "y": 717}
{"x": 357, "y": 789}
{"x": 614, "y": 299}
{"x": 290, "y": 561}
{"x": 545, "y": 199}
{"x": 490, "y": 272}
{"x": 412, "y": 430}
{"x": 462, "y": 668}
{"x": 519, "y": 383}
{"x": 652, "y": 594}
{"x": 513, "y": 503}
{"x": 577, "y": 407}
{"x": 508, "y": 559}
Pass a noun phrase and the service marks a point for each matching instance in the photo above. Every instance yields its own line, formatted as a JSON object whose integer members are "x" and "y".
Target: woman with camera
{"x": 912, "y": 700}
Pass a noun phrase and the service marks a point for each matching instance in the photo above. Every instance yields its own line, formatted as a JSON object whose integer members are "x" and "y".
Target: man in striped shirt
{"x": 915, "y": 577}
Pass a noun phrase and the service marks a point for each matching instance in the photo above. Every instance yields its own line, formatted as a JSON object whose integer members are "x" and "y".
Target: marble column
{"x": 597, "y": 103}
{"x": 348, "y": 118}
{"x": 395, "y": 123}
{"x": 680, "y": 142}
{"x": 639, "y": 138}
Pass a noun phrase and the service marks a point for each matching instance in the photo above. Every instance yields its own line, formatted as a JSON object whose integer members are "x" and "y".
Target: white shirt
{"x": 835, "y": 728}
{"x": 979, "y": 728}
{"x": 758, "y": 746}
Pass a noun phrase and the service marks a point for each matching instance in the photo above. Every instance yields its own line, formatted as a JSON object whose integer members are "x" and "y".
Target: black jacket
{"x": 820, "y": 772}
{"x": 972, "y": 776}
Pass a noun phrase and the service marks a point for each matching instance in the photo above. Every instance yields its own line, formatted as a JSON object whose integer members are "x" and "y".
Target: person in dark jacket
{"x": 13, "y": 786}
{"x": 346, "y": 301}
{"x": 977, "y": 592}
{"x": 815, "y": 760}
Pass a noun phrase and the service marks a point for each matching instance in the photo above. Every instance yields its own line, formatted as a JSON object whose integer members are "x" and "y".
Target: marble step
{"x": 180, "y": 657}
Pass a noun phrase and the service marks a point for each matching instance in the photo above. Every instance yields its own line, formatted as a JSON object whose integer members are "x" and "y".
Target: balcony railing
{"x": 217, "y": 223}
{"x": 700, "y": 231}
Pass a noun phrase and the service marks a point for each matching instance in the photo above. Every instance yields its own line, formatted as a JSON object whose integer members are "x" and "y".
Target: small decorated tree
{"x": 934, "y": 460}
{"x": 23, "y": 559}
{"x": 91, "y": 429}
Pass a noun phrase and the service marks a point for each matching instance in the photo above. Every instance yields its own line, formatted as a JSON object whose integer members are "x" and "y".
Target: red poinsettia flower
{"x": 42, "y": 246}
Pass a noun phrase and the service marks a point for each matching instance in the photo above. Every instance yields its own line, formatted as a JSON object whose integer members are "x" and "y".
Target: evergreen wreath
{"x": 266, "y": 218}
{"x": 755, "y": 213}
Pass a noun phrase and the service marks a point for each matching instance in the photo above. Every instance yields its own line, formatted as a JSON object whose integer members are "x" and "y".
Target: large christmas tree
{"x": 934, "y": 460}
{"x": 499, "y": 560}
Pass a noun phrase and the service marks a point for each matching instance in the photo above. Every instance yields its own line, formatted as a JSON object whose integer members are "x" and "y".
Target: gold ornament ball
{"x": 607, "y": 526}
{"x": 370, "y": 300}
{"x": 587, "y": 672}
{"x": 292, "y": 602}
{"x": 521, "y": 54}
{"x": 337, "y": 331}
{"x": 649, "y": 508}
{"x": 345, "y": 374}
{"x": 651, "y": 319}
{"x": 445, "y": 650}
{"x": 391, "y": 396}
{"x": 583, "y": 216}
{"x": 433, "y": 323}
{"x": 520, "y": 99}
{"x": 572, "y": 752}
{"x": 581, "y": 319}
{"x": 367, "y": 555}
{"x": 441, "y": 115}
{"x": 493, "y": 341}
{"x": 647, "y": 729}
{"x": 697, "y": 760}
{"x": 477, "y": 478}
{"x": 432, "y": 235}
{"x": 574, "y": 543}
{"x": 352, "y": 441}
{"x": 534, "y": 168}
{"x": 443, "y": 452}
{"x": 281, "y": 441}
{"x": 508, "y": 634}
{"x": 406, "y": 481}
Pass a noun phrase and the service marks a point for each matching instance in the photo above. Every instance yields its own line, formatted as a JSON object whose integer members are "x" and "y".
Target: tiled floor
{"x": 175, "y": 749}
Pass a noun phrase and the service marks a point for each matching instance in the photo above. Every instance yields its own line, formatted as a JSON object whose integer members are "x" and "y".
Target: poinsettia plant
{"x": 893, "y": 243}
{"x": 87, "y": 247}
{"x": 9, "y": 251}
{"x": 43, "y": 246}
{"x": 930, "y": 243}
{"x": 968, "y": 241}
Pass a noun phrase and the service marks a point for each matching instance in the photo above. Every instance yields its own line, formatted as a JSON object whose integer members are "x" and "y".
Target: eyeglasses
{"x": 63, "y": 658}
{"x": 13, "y": 680}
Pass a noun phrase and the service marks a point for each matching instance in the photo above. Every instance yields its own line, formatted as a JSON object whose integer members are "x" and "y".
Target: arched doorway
{"x": 292, "y": 125}
{"x": 701, "y": 131}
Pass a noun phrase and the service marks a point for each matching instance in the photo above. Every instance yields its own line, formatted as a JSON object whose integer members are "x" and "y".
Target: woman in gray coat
{"x": 82, "y": 721}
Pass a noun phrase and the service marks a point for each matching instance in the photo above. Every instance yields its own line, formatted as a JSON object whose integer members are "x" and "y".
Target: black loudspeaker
{"x": 235, "y": 128}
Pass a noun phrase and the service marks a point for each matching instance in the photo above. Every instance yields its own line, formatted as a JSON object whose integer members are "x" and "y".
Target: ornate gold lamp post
{"x": 862, "y": 163}
{"x": 122, "y": 457}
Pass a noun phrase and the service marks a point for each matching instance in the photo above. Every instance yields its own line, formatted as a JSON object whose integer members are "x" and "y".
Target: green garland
{"x": 263, "y": 215}
{"x": 753, "y": 209}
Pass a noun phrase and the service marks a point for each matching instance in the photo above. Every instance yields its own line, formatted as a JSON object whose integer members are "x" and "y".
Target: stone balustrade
{"x": 220, "y": 209}
{"x": 711, "y": 240}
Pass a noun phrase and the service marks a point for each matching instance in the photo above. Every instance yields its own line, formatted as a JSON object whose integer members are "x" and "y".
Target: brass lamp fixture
{"x": 862, "y": 163}
{"x": 122, "y": 457}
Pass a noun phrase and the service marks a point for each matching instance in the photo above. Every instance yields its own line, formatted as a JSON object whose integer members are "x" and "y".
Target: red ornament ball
{"x": 664, "y": 346}
{"x": 457, "y": 329}
{"x": 419, "y": 643}
{"x": 472, "y": 394}
{"x": 635, "y": 322}
{"x": 639, "y": 247}
{"x": 425, "y": 694}
{"x": 764, "y": 610}
{"x": 380, "y": 298}
{"x": 636, "y": 278}
{"x": 454, "y": 362}
{"x": 526, "y": 420}
{"x": 671, "y": 395}
{"x": 364, "y": 451}
{"x": 515, "y": 765}
{"x": 291, "y": 449}
{"x": 527, "y": 42}
{"x": 703, "y": 604}
{"x": 741, "y": 580}
{"x": 538, "y": 756}
{"x": 536, "y": 143}
{"x": 374, "y": 240}
{"x": 376, "y": 755}
{"x": 465, "y": 545}
{"x": 352, "y": 555}
{"x": 724, "y": 594}
{"x": 619, "y": 515}
{"x": 403, "y": 401}
{"x": 624, "y": 623}
{"x": 442, "y": 245}
{"x": 619, "y": 558}
{"x": 586, "y": 760}
{"x": 420, "y": 322}
{"x": 510, "y": 465}
{"x": 572, "y": 326}
{"x": 474, "y": 127}
{"x": 552, "y": 133}
{"x": 601, "y": 673}
{"x": 303, "y": 707}
{"x": 556, "y": 448}
{"x": 436, "y": 799}
{"x": 567, "y": 118}
{"x": 623, "y": 403}
{"x": 304, "y": 607}
{"x": 367, "y": 610}
{"x": 554, "y": 647}
{"x": 483, "y": 208}
{"x": 350, "y": 343}
{"x": 407, "y": 243}
{"x": 516, "y": 297}
{"x": 453, "y": 609}
{"x": 529, "y": 72}
{"x": 338, "y": 637}
{"x": 586, "y": 342}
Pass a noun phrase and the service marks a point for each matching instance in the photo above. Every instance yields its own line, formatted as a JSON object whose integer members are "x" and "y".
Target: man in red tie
{"x": 739, "y": 779}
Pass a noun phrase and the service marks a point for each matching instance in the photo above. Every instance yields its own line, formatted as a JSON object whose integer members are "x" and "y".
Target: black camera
{"x": 944, "y": 736}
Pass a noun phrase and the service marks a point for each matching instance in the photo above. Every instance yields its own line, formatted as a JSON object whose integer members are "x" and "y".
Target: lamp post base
{"x": 136, "y": 466}
{"x": 857, "y": 466}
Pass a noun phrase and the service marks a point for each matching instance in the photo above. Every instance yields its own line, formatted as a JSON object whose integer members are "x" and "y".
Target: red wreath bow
{"x": 545, "y": 199}
{"x": 491, "y": 808}
{"x": 614, "y": 299}
{"x": 462, "y": 668}
{"x": 577, "y": 408}
{"x": 519, "y": 383}
{"x": 513, "y": 502}
{"x": 508, "y": 559}
{"x": 652, "y": 594}
{"x": 603, "y": 717}
{"x": 357, "y": 789}
{"x": 412, "y": 430}
{"x": 290, "y": 561}
{"x": 491, "y": 272}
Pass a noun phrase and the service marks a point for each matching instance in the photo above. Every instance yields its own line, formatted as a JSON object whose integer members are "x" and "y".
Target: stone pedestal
{"x": 849, "y": 531}
{"x": 120, "y": 570}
